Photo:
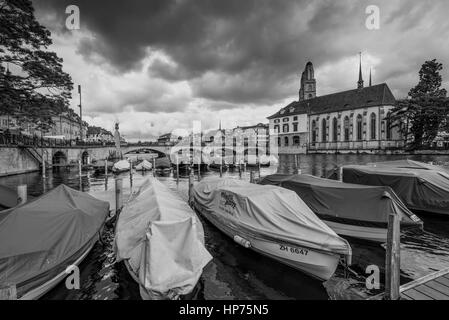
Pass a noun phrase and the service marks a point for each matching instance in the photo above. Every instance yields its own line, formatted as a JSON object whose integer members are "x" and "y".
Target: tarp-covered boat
{"x": 121, "y": 166}
{"x": 162, "y": 164}
{"x": 420, "y": 186}
{"x": 40, "y": 239}
{"x": 161, "y": 241}
{"x": 273, "y": 221}
{"x": 349, "y": 209}
{"x": 144, "y": 166}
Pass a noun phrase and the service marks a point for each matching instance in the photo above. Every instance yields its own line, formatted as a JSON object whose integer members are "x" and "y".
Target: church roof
{"x": 378, "y": 95}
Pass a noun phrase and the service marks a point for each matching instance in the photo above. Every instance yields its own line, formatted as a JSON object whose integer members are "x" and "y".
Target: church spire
{"x": 360, "y": 82}
{"x": 370, "y": 78}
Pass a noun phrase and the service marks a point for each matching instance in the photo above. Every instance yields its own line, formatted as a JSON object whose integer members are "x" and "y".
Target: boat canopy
{"x": 267, "y": 212}
{"x": 334, "y": 200}
{"x": 44, "y": 234}
{"x": 121, "y": 165}
{"x": 144, "y": 165}
{"x": 420, "y": 186}
{"x": 162, "y": 239}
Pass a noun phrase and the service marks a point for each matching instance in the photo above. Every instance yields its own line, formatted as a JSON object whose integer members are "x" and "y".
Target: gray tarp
{"x": 420, "y": 186}
{"x": 41, "y": 234}
{"x": 8, "y": 197}
{"x": 335, "y": 200}
{"x": 163, "y": 241}
{"x": 267, "y": 211}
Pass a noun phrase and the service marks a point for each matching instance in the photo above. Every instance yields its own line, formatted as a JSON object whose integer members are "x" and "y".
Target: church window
{"x": 359, "y": 128}
{"x": 334, "y": 130}
{"x": 323, "y": 130}
{"x": 373, "y": 126}
{"x": 346, "y": 124}
{"x": 313, "y": 131}
{"x": 388, "y": 127}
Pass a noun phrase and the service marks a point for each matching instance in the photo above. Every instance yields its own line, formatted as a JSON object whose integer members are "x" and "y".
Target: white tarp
{"x": 163, "y": 241}
{"x": 267, "y": 211}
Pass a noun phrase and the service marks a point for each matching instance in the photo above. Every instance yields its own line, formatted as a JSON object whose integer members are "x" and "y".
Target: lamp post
{"x": 81, "y": 114}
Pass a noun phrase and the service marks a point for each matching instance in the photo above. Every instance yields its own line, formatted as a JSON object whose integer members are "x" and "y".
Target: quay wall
{"x": 16, "y": 161}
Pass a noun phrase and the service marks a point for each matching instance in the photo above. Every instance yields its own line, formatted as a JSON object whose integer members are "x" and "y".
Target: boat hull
{"x": 318, "y": 264}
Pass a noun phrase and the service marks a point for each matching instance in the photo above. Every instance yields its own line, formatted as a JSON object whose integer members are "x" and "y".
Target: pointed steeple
{"x": 360, "y": 82}
{"x": 219, "y": 126}
{"x": 370, "y": 78}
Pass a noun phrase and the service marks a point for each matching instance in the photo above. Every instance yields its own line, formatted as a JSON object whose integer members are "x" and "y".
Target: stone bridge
{"x": 88, "y": 154}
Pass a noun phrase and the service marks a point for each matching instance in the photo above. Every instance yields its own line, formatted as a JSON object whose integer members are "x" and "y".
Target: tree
{"x": 36, "y": 87}
{"x": 426, "y": 109}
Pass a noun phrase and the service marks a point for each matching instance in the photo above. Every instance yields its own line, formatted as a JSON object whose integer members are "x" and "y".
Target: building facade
{"x": 349, "y": 121}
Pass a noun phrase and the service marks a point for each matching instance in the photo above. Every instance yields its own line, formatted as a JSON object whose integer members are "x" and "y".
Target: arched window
{"x": 279, "y": 141}
{"x": 335, "y": 130}
{"x": 313, "y": 131}
{"x": 388, "y": 126}
{"x": 373, "y": 126}
{"x": 296, "y": 140}
{"x": 359, "y": 128}
{"x": 346, "y": 125}
{"x": 286, "y": 141}
{"x": 323, "y": 131}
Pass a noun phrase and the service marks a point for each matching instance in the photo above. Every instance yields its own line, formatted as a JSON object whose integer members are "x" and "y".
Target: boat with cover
{"x": 162, "y": 165}
{"x": 121, "y": 166}
{"x": 272, "y": 221}
{"x": 161, "y": 241}
{"x": 421, "y": 187}
{"x": 41, "y": 238}
{"x": 144, "y": 166}
{"x": 9, "y": 198}
{"x": 349, "y": 209}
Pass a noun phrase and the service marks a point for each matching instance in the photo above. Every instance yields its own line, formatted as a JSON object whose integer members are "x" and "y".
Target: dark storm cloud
{"x": 247, "y": 51}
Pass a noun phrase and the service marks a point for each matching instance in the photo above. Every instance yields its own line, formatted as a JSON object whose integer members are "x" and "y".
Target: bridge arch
{"x": 59, "y": 158}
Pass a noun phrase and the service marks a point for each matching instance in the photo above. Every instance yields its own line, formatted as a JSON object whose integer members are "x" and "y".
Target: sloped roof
{"x": 378, "y": 95}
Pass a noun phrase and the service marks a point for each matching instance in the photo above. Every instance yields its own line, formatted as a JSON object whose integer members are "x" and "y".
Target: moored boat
{"x": 349, "y": 209}
{"x": 421, "y": 187}
{"x": 121, "y": 166}
{"x": 272, "y": 221}
{"x": 41, "y": 239}
{"x": 161, "y": 241}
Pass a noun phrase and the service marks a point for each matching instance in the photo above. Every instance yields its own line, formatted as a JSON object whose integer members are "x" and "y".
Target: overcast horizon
{"x": 156, "y": 66}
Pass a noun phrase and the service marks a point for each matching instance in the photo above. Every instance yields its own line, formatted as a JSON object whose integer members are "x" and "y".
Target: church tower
{"x": 308, "y": 83}
{"x": 360, "y": 82}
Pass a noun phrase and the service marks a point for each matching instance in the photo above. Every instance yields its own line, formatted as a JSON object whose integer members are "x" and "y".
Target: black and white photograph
{"x": 217, "y": 151}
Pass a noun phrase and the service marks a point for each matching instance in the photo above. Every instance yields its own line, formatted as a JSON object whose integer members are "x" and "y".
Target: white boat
{"x": 121, "y": 166}
{"x": 349, "y": 209}
{"x": 144, "y": 166}
{"x": 41, "y": 239}
{"x": 161, "y": 241}
{"x": 272, "y": 221}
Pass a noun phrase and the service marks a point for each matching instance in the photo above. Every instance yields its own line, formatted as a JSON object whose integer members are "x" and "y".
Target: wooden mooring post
{"x": 131, "y": 171}
{"x": 221, "y": 170}
{"x": 22, "y": 194}
{"x": 251, "y": 177}
{"x": 43, "y": 164}
{"x": 154, "y": 167}
{"x": 177, "y": 170}
{"x": 199, "y": 172}
{"x": 79, "y": 168}
{"x": 118, "y": 195}
{"x": 393, "y": 258}
{"x": 191, "y": 181}
{"x": 240, "y": 171}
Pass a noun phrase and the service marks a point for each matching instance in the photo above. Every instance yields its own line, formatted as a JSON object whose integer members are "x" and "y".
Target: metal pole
{"x": 118, "y": 195}
{"x": 22, "y": 194}
{"x": 81, "y": 114}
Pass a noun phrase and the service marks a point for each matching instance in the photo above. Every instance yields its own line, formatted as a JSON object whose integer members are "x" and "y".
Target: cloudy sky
{"x": 157, "y": 65}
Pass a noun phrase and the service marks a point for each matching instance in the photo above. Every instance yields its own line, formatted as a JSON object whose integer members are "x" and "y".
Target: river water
{"x": 235, "y": 272}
